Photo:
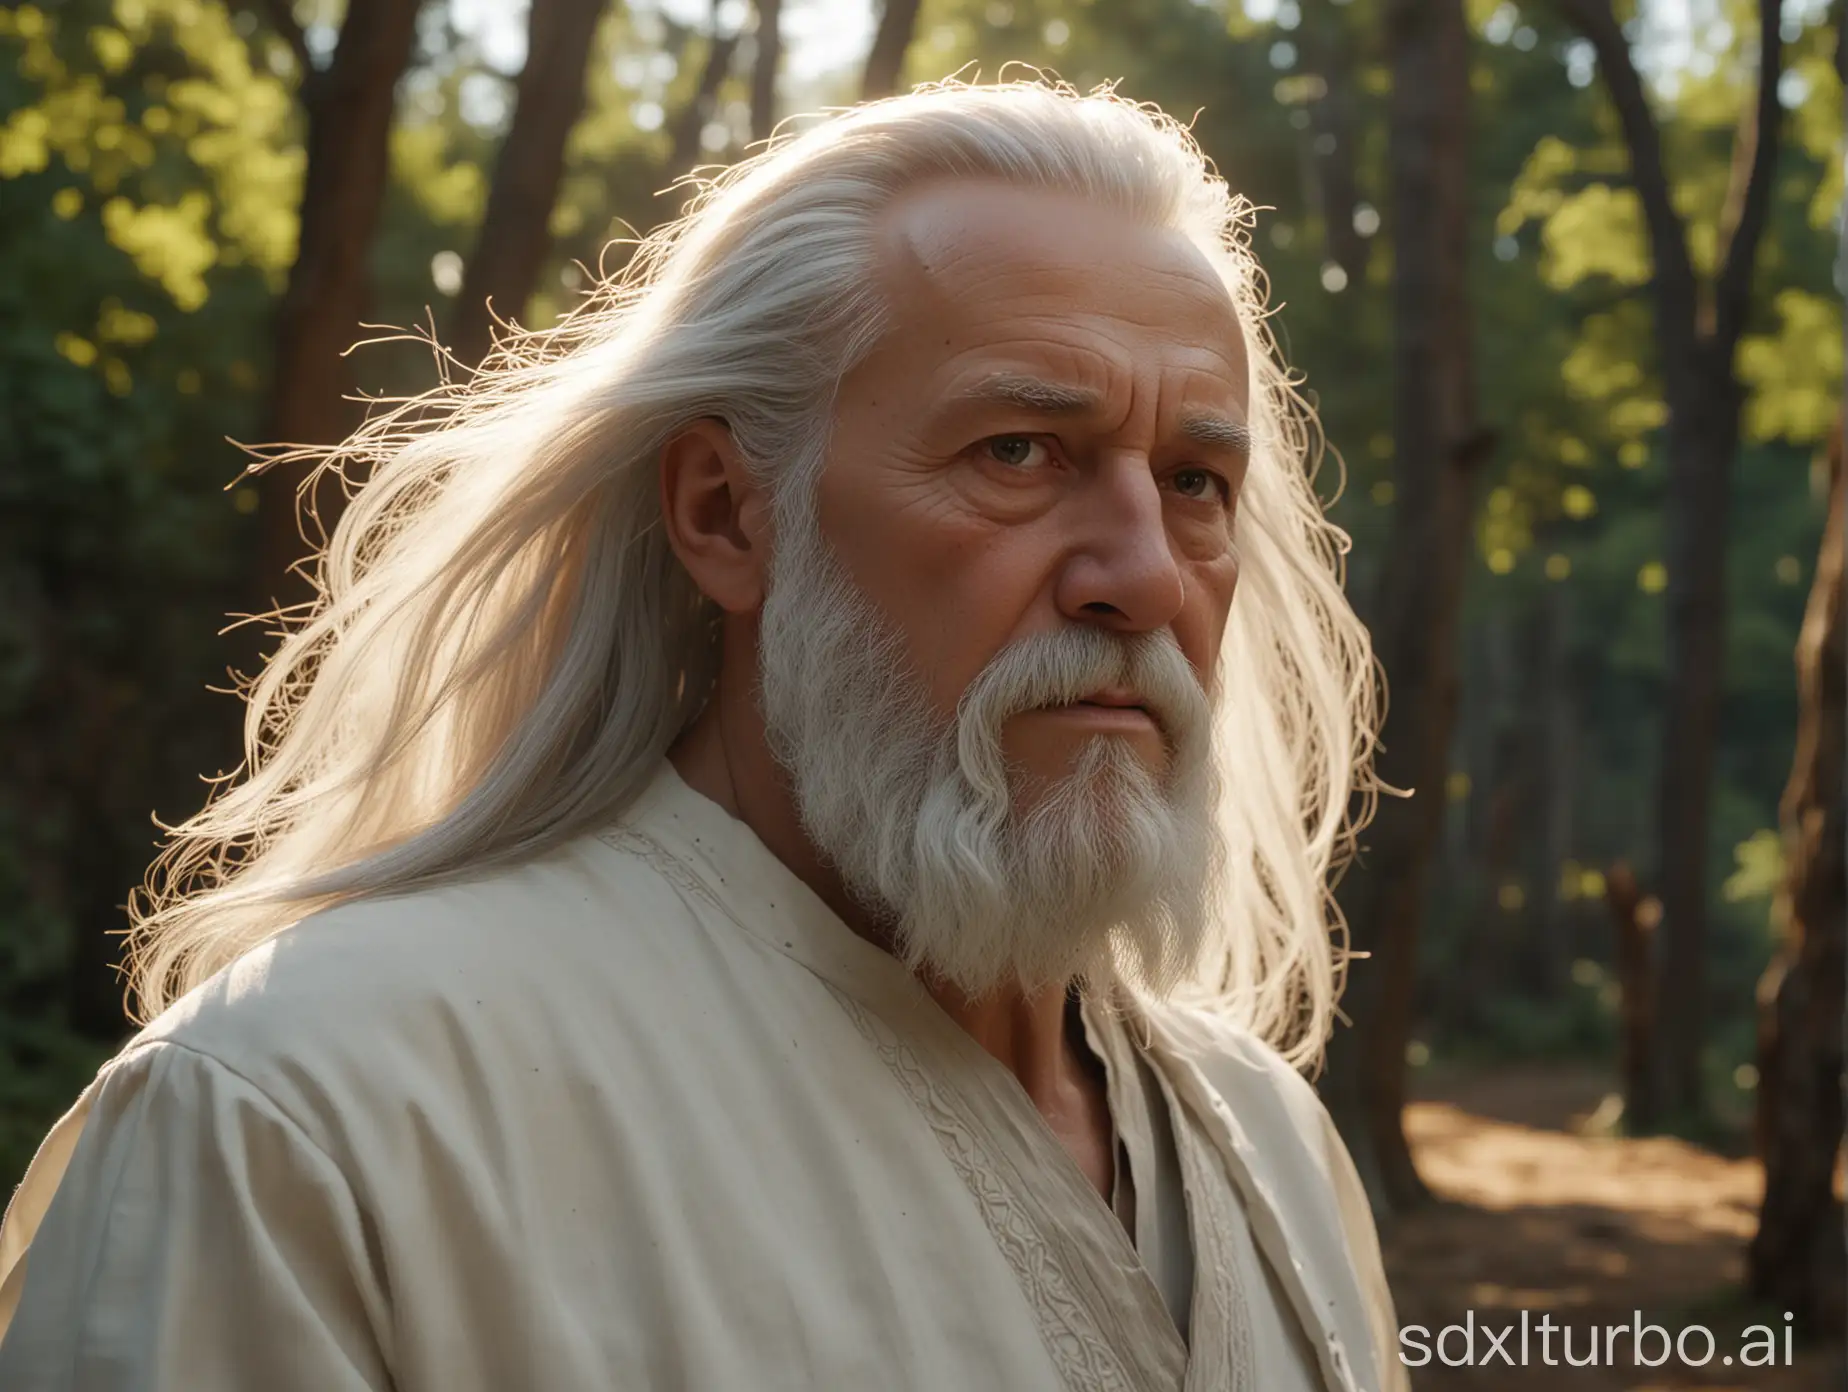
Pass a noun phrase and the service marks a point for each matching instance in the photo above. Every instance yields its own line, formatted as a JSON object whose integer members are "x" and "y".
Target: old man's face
{"x": 1052, "y": 434}
{"x": 987, "y": 653}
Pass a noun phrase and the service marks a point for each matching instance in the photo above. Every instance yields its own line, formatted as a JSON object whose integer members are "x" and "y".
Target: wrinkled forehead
{"x": 987, "y": 257}
{"x": 961, "y": 243}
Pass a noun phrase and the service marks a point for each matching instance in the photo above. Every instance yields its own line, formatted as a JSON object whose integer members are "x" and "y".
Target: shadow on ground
{"x": 1535, "y": 1215}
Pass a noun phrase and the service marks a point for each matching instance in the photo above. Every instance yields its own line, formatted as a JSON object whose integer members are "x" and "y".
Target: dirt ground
{"x": 1541, "y": 1213}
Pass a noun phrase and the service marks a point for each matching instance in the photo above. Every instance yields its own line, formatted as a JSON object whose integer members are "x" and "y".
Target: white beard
{"x": 1110, "y": 875}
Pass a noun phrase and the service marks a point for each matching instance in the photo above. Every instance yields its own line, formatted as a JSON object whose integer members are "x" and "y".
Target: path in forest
{"x": 1537, "y": 1214}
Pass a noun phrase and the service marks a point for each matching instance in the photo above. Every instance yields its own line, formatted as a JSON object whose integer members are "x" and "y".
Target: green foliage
{"x": 191, "y": 147}
{"x": 1594, "y": 239}
{"x": 129, "y": 347}
{"x": 1795, "y": 372}
{"x": 1760, "y": 872}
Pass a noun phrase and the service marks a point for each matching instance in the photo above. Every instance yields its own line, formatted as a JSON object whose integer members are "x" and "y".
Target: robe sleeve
{"x": 179, "y": 1233}
{"x": 1369, "y": 1269}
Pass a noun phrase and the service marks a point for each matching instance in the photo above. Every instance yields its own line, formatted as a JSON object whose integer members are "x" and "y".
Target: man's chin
{"x": 1053, "y": 967}
{"x": 1122, "y": 773}
{"x": 1075, "y": 943}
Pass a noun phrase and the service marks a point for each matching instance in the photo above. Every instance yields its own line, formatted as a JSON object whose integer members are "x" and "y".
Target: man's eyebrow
{"x": 1032, "y": 394}
{"x": 1210, "y": 428}
{"x": 1220, "y": 431}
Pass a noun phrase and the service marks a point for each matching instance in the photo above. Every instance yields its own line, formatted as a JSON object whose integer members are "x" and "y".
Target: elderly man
{"x": 778, "y": 862}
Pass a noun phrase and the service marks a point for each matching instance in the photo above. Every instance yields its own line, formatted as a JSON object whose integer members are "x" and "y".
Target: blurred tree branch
{"x": 764, "y": 69}
{"x": 1674, "y": 272}
{"x": 701, "y": 106}
{"x": 515, "y": 233}
{"x": 885, "y": 60}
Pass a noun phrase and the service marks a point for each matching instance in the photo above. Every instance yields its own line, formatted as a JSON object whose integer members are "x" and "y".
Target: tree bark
{"x": 1437, "y": 448}
{"x": 515, "y": 235}
{"x": 1696, "y": 338}
{"x": 764, "y": 69}
{"x": 885, "y": 60}
{"x": 349, "y": 107}
{"x": 1796, "y": 1257}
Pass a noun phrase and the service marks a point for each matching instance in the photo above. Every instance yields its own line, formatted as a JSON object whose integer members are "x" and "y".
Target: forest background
{"x": 1562, "y": 277}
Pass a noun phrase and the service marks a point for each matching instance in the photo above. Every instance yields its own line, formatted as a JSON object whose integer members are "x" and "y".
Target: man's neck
{"x": 1031, "y": 1037}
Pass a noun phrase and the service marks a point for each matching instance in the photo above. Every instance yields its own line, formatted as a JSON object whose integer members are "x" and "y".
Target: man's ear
{"x": 716, "y": 518}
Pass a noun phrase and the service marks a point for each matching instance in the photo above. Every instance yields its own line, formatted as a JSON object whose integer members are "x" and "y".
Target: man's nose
{"x": 1120, "y": 569}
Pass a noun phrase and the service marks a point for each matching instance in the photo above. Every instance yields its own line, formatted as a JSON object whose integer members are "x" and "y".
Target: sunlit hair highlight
{"x": 505, "y": 645}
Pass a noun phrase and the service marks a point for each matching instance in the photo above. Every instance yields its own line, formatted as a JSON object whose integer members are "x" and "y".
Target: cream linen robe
{"x": 646, "y": 1114}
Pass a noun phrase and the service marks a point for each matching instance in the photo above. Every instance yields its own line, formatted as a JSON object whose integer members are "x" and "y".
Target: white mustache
{"x": 1061, "y": 666}
{"x": 1066, "y": 665}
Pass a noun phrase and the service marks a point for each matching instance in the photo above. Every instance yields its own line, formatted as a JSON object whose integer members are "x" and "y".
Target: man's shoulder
{"x": 427, "y": 971}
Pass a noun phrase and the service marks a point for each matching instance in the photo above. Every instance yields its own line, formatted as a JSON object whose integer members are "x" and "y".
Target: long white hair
{"x": 504, "y": 645}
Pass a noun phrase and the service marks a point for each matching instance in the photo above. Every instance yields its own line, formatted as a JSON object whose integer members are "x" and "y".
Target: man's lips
{"x": 1113, "y": 706}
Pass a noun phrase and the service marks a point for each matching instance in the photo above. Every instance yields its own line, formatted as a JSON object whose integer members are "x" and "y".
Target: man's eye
{"x": 1015, "y": 451}
{"x": 1196, "y": 483}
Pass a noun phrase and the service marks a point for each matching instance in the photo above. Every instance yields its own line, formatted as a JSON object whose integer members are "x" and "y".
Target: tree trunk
{"x": 515, "y": 232}
{"x": 764, "y": 68}
{"x": 1558, "y": 775}
{"x": 1796, "y": 1258}
{"x": 1335, "y": 154}
{"x": 1484, "y": 961}
{"x": 898, "y": 20}
{"x": 1636, "y": 979}
{"x": 698, "y": 113}
{"x": 1437, "y": 447}
{"x": 349, "y": 107}
{"x": 1703, "y": 438}
{"x": 1696, "y": 337}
